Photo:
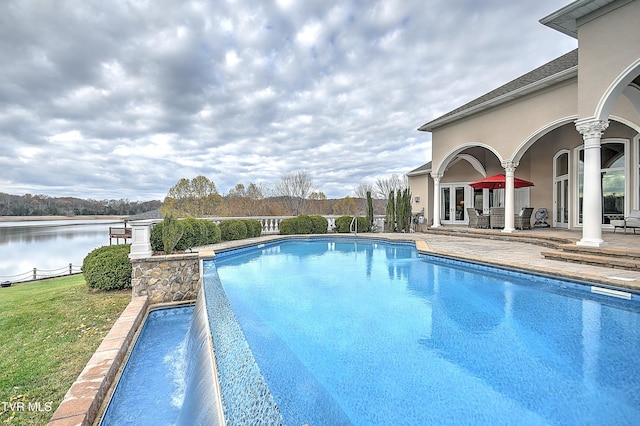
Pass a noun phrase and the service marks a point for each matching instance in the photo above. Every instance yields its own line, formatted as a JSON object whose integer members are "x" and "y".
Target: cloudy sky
{"x": 120, "y": 99}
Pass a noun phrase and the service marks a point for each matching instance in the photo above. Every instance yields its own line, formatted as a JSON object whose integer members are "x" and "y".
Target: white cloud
{"x": 71, "y": 136}
{"x": 308, "y": 35}
{"x": 243, "y": 91}
{"x": 232, "y": 59}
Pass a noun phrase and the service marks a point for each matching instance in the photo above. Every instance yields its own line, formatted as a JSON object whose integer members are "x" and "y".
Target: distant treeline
{"x": 44, "y": 205}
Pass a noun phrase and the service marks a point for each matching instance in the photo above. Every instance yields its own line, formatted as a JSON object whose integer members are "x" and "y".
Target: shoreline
{"x": 41, "y": 218}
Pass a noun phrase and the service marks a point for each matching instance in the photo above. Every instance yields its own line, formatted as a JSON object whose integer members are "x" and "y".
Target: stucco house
{"x": 570, "y": 126}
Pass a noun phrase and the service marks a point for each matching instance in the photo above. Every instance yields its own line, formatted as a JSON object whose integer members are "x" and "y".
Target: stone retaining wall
{"x": 170, "y": 278}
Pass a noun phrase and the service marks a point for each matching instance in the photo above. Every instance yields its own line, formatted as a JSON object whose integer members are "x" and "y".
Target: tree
{"x": 386, "y": 186}
{"x": 317, "y": 203}
{"x": 345, "y": 206}
{"x": 390, "y": 216}
{"x": 362, "y": 190}
{"x": 369, "y": 210}
{"x": 294, "y": 188}
{"x": 361, "y": 193}
{"x": 246, "y": 201}
{"x": 400, "y": 215}
{"x": 403, "y": 209}
{"x": 197, "y": 197}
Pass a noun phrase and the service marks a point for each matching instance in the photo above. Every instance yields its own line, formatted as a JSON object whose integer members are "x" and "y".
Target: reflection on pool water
{"x": 362, "y": 332}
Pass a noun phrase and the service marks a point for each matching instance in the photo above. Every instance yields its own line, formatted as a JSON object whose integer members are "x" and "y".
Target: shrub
{"x": 304, "y": 224}
{"x": 156, "y": 237}
{"x": 234, "y": 229}
{"x": 320, "y": 224}
{"x": 363, "y": 224}
{"x": 289, "y": 226}
{"x": 213, "y": 232}
{"x": 254, "y": 228}
{"x": 172, "y": 232}
{"x": 194, "y": 230}
{"x": 343, "y": 223}
{"x": 108, "y": 268}
{"x": 199, "y": 232}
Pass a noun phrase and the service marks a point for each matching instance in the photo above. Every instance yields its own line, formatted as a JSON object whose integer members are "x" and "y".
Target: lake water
{"x": 49, "y": 245}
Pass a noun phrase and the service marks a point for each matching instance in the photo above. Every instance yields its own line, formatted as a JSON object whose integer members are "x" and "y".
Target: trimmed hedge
{"x": 213, "y": 232}
{"x": 343, "y": 224}
{"x": 254, "y": 227}
{"x": 108, "y": 268}
{"x": 197, "y": 232}
{"x": 234, "y": 229}
{"x": 304, "y": 224}
{"x": 320, "y": 224}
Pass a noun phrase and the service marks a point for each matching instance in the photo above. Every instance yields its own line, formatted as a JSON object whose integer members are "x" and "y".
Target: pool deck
{"x": 524, "y": 250}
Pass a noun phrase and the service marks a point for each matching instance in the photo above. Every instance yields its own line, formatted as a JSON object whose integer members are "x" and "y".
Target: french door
{"x": 561, "y": 189}
{"x": 453, "y": 204}
{"x": 560, "y": 202}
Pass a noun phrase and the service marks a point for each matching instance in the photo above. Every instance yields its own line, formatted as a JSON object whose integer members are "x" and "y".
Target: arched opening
{"x": 467, "y": 164}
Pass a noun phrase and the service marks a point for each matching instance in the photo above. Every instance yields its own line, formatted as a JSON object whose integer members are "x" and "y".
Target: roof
{"x": 424, "y": 169}
{"x": 566, "y": 19}
{"x": 560, "y": 69}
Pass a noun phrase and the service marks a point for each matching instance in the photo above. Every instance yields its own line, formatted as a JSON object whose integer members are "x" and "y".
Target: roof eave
{"x": 533, "y": 87}
{"x": 419, "y": 173}
{"x": 566, "y": 19}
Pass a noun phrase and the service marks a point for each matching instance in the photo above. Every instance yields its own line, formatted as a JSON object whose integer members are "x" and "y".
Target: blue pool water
{"x": 357, "y": 332}
{"x": 152, "y": 386}
{"x": 169, "y": 377}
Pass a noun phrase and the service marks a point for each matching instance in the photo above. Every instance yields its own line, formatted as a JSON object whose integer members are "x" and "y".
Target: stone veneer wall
{"x": 169, "y": 278}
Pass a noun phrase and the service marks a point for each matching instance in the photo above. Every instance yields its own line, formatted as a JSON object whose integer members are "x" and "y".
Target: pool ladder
{"x": 354, "y": 225}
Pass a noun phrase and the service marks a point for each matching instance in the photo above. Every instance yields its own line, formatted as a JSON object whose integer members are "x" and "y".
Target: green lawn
{"x": 48, "y": 331}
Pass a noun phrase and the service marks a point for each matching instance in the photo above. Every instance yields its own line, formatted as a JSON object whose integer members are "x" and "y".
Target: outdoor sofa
{"x": 522, "y": 220}
{"x": 631, "y": 221}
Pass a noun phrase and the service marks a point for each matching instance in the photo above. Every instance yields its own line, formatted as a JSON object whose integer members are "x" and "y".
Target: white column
{"x": 509, "y": 195}
{"x": 436, "y": 200}
{"x": 591, "y": 131}
{"x": 485, "y": 201}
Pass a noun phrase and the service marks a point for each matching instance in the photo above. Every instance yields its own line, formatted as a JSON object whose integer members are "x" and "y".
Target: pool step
{"x": 608, "y": 258}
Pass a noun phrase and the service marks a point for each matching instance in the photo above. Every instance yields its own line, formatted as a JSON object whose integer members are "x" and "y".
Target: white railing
{"x": 141, "y": 230}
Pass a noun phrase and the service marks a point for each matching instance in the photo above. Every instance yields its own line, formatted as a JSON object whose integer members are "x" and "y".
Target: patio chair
{"x": 632, "y": 221}
{"x": 523, "y": 220}
{"x": 497, "y": 217}
{"x": 476, "y": 220}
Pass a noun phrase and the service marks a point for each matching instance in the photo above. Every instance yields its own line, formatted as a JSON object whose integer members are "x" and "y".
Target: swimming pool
{"x": 369, "y": 332}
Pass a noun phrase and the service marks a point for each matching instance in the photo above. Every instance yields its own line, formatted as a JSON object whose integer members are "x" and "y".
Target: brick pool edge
{"x": 82, "y": 401}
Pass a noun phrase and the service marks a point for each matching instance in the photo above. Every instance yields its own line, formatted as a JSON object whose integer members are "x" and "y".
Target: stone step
{"x": 596, "y": 259}
{"x": 602, "y": 251}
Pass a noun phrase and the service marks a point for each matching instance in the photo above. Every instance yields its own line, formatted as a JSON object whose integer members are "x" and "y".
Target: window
{"x": 612, "y": 172}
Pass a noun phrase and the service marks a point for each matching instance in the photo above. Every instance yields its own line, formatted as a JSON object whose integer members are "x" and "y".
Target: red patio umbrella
{"x": 499, "y": 181}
